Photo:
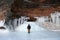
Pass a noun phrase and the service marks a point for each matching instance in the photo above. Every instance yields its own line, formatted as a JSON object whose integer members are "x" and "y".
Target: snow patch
{"x": 34, "y": 27}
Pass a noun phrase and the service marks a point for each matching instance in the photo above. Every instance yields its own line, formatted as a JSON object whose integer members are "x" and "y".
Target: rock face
{"x": 33, "y": 8}
{"x": 4, "y": 8}
{"x": 3, "y": 11}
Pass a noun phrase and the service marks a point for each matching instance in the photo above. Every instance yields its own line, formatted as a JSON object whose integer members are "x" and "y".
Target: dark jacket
{"x": 28, "y": 27}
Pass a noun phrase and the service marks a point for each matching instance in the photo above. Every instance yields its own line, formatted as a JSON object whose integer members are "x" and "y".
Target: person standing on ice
{"x": 28, "y": 28}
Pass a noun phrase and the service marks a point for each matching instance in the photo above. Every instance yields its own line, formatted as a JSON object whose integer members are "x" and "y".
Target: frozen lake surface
{"x": 41, "y": 35}
{"x": 37, "y": 33}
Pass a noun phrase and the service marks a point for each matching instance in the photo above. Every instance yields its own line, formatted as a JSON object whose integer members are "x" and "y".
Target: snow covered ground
{"x": 37, "y": 33}
{"x": 2, "y": 22}
{"x": 2, "y": 31}
{"x": 34, "y": 27}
